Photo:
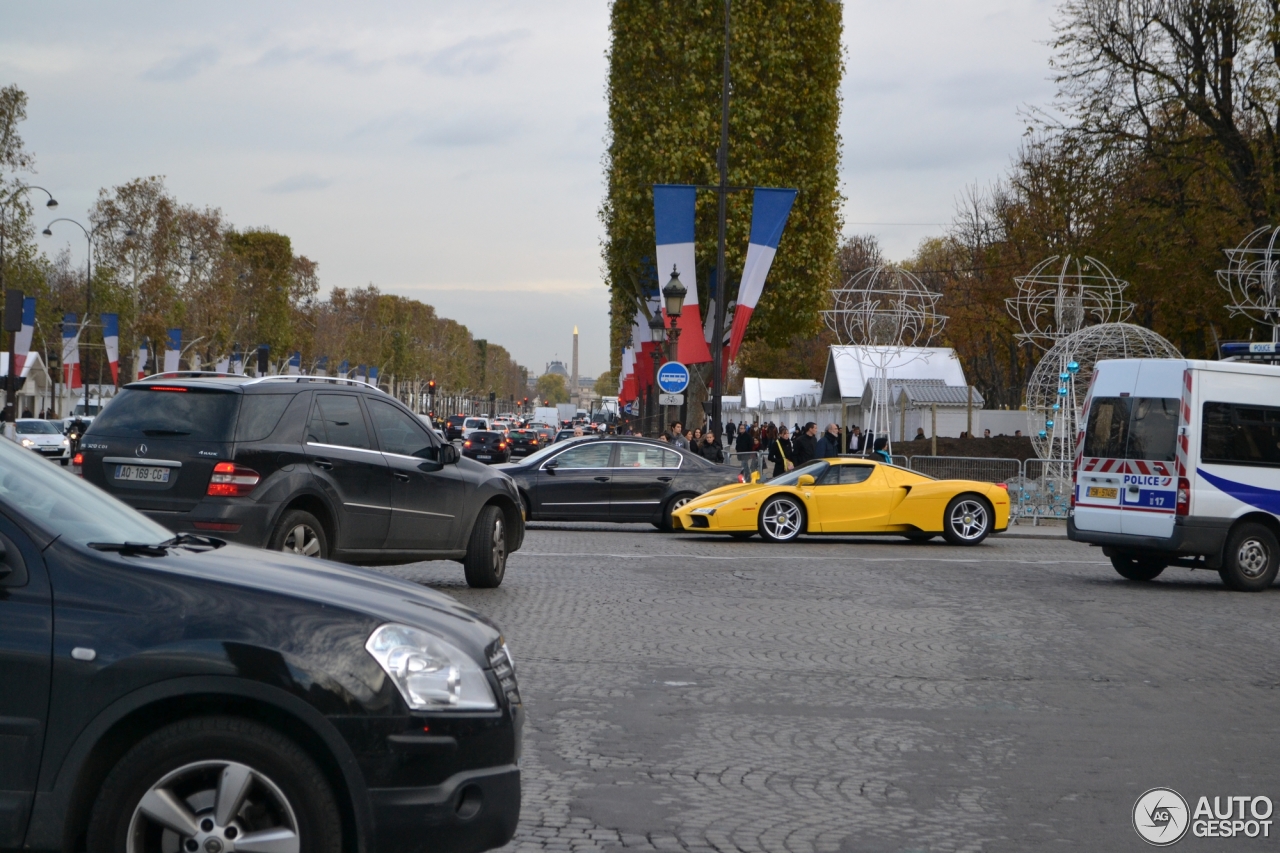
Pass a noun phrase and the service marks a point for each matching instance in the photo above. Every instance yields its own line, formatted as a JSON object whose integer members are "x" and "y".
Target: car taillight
{"x": 466, "y": 444}
{"x": 1184, "y": 496}
{"x": 534, "y": 442}
{"x": 1004, "y": 486}
{"x": 78, "y": 459}
{"x": 230, "y": 480}
{"x": 502, "y": 445}
{"x": 741, "y": 479}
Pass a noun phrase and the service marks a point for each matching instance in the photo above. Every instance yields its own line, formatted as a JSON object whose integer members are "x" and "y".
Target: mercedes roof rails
{"x": 253, "y": 380}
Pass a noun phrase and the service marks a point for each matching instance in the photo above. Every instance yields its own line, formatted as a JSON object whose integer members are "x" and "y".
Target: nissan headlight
{"x": 430, "y": 674}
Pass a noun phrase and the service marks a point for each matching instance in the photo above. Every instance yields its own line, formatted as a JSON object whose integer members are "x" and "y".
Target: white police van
{"x": 1178, "y": 464}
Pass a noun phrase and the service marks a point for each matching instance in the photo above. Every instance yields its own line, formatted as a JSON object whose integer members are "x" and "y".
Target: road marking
{"x": 790, "y": 557}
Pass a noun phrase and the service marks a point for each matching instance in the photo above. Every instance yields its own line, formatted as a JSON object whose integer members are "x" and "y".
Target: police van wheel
{"x": 1137, "y": 568}
{"x": 1250, "y": 561}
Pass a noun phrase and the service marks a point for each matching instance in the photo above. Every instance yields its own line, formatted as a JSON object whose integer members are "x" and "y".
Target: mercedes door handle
{"x": 323, "y": 463}
{"x": 665, "y": 479}
{"x": 602, "y": 479}
{"x": 401, "y": 476}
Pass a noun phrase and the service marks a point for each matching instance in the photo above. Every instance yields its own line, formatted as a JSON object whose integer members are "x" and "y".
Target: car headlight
{"x": 711, "y": 510}
{"x": 430, "y": 673}
{"x": 66, "y": 442}
{"x": 26, "y": 442}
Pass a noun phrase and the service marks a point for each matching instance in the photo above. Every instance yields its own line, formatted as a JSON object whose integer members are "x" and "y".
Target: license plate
{"x": 1102, "y": 492}
{"x": 484, "y": 457}
{"x": 142, "y": 473}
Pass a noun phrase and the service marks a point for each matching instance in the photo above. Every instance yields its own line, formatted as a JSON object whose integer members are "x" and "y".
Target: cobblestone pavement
{"x": 694, "y": 693}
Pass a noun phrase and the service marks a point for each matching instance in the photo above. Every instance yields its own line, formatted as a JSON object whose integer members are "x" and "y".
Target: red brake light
{"x": 502, "y": 445}
{"x": 1004, "y": 486}
{"x": 466, "y": 444}
{"x": 534, "y": 442}
{"x": 167, "y": 388}
{"x": 230, "y": 480}
{"x": 741, "y": 479}
{"x": 78, "y": 459}
{"x": 1184, "y": 496}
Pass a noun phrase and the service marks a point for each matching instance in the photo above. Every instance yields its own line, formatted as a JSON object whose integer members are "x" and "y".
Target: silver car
{"x": 44, "y": 438}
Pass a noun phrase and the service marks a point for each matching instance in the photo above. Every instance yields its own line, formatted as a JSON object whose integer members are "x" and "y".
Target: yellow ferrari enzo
{"x": 849, "y": 495}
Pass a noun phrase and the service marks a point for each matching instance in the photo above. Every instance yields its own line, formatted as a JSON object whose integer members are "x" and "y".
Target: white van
{"x": 1178, "y": 464}
{"x": 471, "y": 425}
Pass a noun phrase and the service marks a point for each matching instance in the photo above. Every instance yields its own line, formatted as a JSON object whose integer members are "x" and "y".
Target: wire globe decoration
{"x": 885, "y": 306}
{"x": 1063, "y": 294}
{"x": 1252, "y": 278}
{"x": 1060, "y": 381}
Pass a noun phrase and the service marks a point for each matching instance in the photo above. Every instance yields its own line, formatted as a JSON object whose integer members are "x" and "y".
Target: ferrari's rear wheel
{"x": 781, "y": 519}
{"x": 968, "y": 520}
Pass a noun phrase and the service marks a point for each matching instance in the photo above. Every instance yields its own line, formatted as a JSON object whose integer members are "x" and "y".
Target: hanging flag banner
{"x": 111, "y": 338}
{"x": 295, "y": 363}
{"x": 322, "y": 366}
{"x": 22, "y": 347}
{"x": 173, "y": 350}
{"x": 373, "y": 375}
{"x": 70, "y": 351}
{"x": 223, "y": 365}
{"x": 344, "y": 369}
{"x": 237, "y": 360}
{"x": 769, "y": 211}
{"x": 674, "y": 207}
{"x": 362, "y": 372}
{"x": 140, "y": 360}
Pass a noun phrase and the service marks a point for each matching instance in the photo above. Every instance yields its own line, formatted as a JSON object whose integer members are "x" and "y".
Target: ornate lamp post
{"x": 673, "y": 301}
{"x": 658, "y": 336}
{"x": 11, "y": 376}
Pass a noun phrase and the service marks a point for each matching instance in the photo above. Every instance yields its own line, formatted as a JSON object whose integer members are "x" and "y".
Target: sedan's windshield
{"x": 37, "y": 428}
{"x": 66, "y": 505}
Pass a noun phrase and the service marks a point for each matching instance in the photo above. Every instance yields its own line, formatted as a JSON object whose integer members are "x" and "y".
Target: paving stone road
{"x": 694, "y": 693}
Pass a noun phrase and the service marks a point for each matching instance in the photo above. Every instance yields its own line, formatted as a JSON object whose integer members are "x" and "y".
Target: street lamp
{"x": 88, "y": 276}
{"x": 657, "y": 335}
{"x": 673, "y": 296}
{"x": 10, "y": 379}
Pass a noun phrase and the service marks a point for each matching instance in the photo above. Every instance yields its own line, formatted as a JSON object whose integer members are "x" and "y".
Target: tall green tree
{"x": 665, "y": 62}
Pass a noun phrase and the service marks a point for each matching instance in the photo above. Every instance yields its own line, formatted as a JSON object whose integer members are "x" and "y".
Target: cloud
{"x": 471, "y": 56}
{"x": 468, "y": 132}
{"x": 299, "y": 183}
{"x": 184, "y": 66}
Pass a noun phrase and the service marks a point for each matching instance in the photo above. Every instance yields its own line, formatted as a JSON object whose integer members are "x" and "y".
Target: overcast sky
{"x": 451, "y": 151}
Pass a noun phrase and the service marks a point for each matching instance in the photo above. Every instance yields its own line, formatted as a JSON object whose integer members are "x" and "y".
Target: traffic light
{"x": 493, "y": 396}
{"x": 431, "y": 388}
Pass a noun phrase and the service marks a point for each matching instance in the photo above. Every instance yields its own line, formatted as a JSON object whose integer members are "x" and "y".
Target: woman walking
{"x": 780, "y": 452}
{"x": 711, "y": 449}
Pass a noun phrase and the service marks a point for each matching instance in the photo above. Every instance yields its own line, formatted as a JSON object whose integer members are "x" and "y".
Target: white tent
{"x": 758, "y": 391}
{"x": 850, "y": 367}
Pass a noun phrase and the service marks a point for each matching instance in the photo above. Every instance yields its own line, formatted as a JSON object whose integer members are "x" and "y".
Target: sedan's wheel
{"x": 967, "y": 520}
{"x": 1137, "y": 568}
{"x": 216, "y": 785}
{"x": 298, "y": 532}
{"x": 1250, "y": 562}
{"x": 781, "y": 519}
{"x": 674, "y": 504}
{"x": 486, "y": 560}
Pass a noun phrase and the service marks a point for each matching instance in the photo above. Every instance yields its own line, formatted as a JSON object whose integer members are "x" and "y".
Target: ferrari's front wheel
{"x": 968, "y": 520}
{"x": 781, "y": 519}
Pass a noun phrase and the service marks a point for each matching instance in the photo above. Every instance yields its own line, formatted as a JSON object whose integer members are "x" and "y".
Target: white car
{"x": 470, "y": 425}
{"x": 44, "y": 438}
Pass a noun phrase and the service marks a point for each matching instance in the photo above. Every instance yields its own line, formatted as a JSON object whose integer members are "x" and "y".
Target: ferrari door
{"x": 853, "y": 498}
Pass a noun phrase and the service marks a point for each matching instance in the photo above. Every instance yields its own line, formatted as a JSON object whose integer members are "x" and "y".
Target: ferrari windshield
{"x": 814, "y": 469}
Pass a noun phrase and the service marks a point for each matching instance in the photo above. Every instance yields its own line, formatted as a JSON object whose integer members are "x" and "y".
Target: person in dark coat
{"x": 829, "y": 444}
{"x": 711, "y": 450}
{"x": 804, "y": 446}
{"x": 780, "y": 452}
{"x": 880, "y": 453}
{"x": 730, "y": 433}
{"x": 745, "y": 443}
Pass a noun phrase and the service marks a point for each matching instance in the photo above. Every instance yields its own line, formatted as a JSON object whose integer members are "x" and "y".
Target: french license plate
{"x": 484, "y": 457}
{"x": 142, "y": 473}
{"x": 1102, "y": 492}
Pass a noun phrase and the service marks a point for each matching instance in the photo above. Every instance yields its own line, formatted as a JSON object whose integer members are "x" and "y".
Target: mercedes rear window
{"x": 194, "y": 414}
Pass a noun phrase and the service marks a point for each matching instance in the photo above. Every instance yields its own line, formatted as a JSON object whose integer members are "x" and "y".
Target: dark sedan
{"x": 487, "y": 446}
{"x": 614, "y": 479}
{"x": 523, "y": 441}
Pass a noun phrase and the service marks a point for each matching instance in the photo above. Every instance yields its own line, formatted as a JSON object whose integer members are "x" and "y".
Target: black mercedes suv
{"x": 324, "y": 467}
{"x": 163, "y": 693}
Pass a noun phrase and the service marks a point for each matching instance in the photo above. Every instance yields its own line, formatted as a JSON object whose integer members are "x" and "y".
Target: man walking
{"x": 677, "y": 435}
{"x": 829, "y": 445}
{"x": 805, "y": 445}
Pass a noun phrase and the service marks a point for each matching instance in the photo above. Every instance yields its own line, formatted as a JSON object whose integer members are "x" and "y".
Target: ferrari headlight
{"x": 430, "y": 674}
{"x": 710, "y": 510}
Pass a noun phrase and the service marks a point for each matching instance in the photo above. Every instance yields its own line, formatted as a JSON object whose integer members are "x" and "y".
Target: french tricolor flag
{"x": 769, "y": 211}
{"x": 70, "y": 351}
{"x": 674, "y": 206}
{"x": 22, "y": 347}
{"x": 173, "y": 351}
{"x": 111, "y": 338}
{"x": 140, "y": 360}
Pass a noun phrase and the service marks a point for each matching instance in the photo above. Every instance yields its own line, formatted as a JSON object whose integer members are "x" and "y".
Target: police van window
{"x": 1233, "y": 434}
{"x": 1132, "y": 428}
{"x": 1108, "y": 427}
{"x": 1153, "y": 429}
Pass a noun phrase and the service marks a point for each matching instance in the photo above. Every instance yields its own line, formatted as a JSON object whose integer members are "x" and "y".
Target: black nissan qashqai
{"x": 163, "y": 693}
{"x": 318, "y": 466}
